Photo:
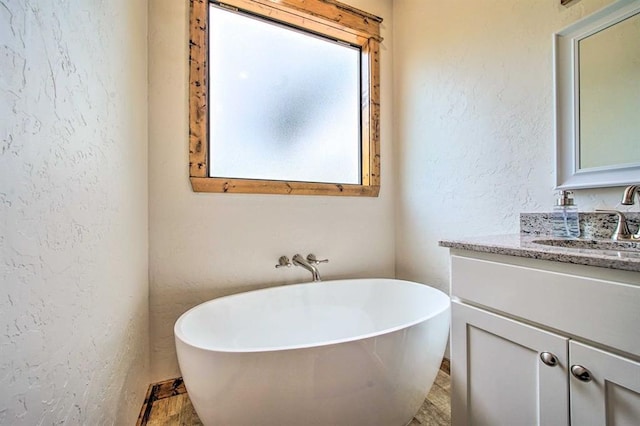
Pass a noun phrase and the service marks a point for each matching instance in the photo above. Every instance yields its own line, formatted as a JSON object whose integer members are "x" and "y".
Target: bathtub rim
{"x": 446, "y": 304}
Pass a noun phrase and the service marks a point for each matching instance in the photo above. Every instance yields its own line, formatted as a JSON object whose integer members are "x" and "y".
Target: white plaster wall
{"x": 474, "y": 118}
{"x": 208, "y": 245}
{"x": 73, "y": 212}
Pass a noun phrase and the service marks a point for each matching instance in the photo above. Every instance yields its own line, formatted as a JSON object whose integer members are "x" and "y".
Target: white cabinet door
{"x": 498, "y": 377}
{"x": 612, "y": 395}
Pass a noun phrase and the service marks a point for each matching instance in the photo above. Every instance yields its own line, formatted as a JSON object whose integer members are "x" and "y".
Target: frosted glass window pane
{"x": 284, "y": 105}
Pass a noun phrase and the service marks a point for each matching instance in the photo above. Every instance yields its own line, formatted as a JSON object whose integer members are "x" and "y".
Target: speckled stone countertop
{"x": 524, "y": 245}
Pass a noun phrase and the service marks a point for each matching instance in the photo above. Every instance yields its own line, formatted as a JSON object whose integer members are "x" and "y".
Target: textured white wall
{"x": 73, "y": 212}
{"x": 474, "y": 122}
{"x": 208, "y": 245}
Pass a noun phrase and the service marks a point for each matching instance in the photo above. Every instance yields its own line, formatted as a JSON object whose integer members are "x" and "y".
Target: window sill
{"x": 250, "y": 186}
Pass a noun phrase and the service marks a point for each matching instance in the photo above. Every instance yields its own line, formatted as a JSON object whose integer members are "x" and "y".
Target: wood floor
{"x": 167, "y": 404}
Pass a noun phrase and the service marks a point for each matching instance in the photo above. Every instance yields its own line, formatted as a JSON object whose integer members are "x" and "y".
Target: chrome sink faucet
{"x": 629, "y": 192}
{"x": 628, "y": 200}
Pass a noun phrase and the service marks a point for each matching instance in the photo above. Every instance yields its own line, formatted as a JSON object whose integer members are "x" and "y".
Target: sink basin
{"x": 592, "y": 244}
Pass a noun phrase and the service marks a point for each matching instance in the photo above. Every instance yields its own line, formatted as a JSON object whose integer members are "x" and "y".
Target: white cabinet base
{"x": 505, "y": 315}
{"x": 498, "y": 377}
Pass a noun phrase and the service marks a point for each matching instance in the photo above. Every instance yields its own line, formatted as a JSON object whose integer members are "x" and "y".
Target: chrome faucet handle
{"x": 283, "y": 262}
{"x": 311, "y": 258}
{"x": 622, "y": 231}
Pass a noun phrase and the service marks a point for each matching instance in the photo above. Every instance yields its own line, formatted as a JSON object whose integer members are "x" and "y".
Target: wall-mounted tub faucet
{"x": 309, "y": 264}
{"x": 306, "y": 264}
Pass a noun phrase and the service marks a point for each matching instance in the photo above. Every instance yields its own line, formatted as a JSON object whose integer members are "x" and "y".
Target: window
{"x": 284, "y": 98}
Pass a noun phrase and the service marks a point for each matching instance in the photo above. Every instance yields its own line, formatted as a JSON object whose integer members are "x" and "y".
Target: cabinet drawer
{"x": 606, "y": 312}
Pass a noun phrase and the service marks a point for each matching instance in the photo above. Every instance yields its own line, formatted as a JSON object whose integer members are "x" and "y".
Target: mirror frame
{"x": 567, "y": 97}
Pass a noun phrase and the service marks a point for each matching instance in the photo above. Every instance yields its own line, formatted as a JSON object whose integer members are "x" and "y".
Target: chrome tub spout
{"x": 301, "y": 261}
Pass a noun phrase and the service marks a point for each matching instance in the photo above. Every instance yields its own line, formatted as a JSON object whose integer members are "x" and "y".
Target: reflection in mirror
{"x": 609, "y": 84}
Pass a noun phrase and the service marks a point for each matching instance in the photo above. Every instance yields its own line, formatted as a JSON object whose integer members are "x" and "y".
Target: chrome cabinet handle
{"x": 549, "y": 359}
{"x": 283, "y": 262}
{"x": 581, "y": 373}
{"x": 311, "y": 258}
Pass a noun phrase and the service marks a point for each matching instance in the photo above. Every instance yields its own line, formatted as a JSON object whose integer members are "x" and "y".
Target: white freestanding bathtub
{"x": 349, "y": 352}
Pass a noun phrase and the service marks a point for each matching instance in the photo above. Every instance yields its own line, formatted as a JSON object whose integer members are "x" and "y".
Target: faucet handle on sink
{"x": 622, "y": 231}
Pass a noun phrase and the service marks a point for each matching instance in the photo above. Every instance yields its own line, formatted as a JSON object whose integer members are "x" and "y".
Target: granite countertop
{"x": 524, "y": 246}
{"x": 535, "y": 226}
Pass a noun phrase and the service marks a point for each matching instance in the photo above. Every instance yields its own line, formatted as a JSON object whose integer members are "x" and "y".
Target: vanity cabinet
{"x": 519, "y": 327}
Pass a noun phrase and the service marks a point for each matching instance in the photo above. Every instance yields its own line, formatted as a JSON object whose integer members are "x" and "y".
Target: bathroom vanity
{"x": 544, "y": 335}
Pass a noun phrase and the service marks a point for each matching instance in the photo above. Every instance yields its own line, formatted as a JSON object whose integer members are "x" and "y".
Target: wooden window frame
{"x": 325, "y": 17}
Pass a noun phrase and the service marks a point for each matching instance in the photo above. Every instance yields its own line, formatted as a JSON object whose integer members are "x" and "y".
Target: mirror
{"x": 598, "y": 99}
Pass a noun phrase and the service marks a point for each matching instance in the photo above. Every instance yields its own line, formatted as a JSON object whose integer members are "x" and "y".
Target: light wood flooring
{"x": 167, "y": 404}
